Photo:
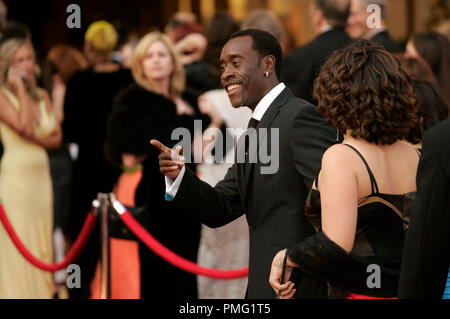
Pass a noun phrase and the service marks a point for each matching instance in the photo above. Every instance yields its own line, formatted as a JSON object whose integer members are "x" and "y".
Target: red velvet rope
{"x": 173, "y": 258}
{"x": 71, "y": 255}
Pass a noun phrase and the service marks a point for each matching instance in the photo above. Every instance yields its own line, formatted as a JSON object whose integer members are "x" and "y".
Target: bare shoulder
{"x": 409, "y": 151}
{"x": 339, "y": 160}
{"x": 339, "y": 154}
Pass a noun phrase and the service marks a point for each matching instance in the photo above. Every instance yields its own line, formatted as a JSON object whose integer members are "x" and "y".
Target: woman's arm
{"x": 58, "y": 94}
{"x": 52, "y": 141}
{"x": 339, "y": 203}
{"x": 339, "y": 196}
{"x": 21, "y": 121}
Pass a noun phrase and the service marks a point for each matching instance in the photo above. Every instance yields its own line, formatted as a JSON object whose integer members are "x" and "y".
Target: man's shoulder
{"x": 440, "y": 132}
{"x": 384, "y": 39}
{"x": 298, "y": 110}
{"x": 439, "y": 135}
{"x": 321, "y": 45}
{"x": 295, "y": 105}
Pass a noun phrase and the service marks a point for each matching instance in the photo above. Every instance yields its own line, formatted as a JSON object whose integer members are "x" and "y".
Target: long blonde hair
{"x": 177, "y": 79}
{"x": 7, "y": 51}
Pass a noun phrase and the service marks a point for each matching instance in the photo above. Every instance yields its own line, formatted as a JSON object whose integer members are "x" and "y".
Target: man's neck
{"x": 266, "y": 101}
{"x": 266, "y": 91}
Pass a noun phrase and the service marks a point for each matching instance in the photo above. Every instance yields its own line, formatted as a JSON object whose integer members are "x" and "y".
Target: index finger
{"x": 160, "y": 146}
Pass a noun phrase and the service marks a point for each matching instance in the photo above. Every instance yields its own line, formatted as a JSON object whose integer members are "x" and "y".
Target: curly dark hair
{"x": 363, "y": 88}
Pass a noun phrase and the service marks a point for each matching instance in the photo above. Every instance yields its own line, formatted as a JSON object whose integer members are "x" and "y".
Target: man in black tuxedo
{"x": 362, "y": 24}
{"x": 272, "y": 200}
{"x": 426, "y": 252}
{"x": 302, "y": 66}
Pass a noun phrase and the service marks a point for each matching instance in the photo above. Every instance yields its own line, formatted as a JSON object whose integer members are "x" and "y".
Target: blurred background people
{"x": 191, "y": 43}
{"x": 360, "y": 28}
{"x": 15, "y": 29}
{"x": 153, "y": 108}
{"x": 218, "y": 30}
{"x": 61, "y": 63}
{"x": 434, "y": 48}
{"x": 28, "y": 128}
{"x": 3, "y": 18}
{"x": 87, "y": 105}
{"x": 302, "y": 66}
{"x": 432, "y": 106}
{"x": 126, "y": 44}
{"x": 444, "y": 28}
{"x": 176, "y": 19}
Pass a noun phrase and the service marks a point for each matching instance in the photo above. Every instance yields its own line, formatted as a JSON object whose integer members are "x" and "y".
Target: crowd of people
{"x": 362, "y": 178}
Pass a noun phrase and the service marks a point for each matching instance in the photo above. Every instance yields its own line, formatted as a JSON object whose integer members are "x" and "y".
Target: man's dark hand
{"x": 171, "y": 161}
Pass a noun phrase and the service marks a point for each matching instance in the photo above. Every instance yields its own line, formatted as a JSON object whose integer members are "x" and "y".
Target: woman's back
{"x": 393, "y": 166}
{"x": 373, "y": 189}
{"x": 366, "y": 186}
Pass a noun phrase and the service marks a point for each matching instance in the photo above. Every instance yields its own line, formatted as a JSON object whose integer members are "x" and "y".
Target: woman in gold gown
{"x": 27, "y": 130}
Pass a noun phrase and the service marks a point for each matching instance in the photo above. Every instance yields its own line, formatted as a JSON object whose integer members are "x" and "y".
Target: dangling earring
{"x": 337, "y": 135}
{"x": 267, "y": 74}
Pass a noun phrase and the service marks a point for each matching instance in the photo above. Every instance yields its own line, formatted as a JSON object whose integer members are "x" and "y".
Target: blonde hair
{"x": 177, "y": 79}
{"x": 7, "y": 51}
{"x": 102, "y": 36}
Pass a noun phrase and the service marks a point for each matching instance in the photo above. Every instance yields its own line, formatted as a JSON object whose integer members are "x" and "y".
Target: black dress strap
{"x": 418, "y": 151}
{"x": 373, "y": 182}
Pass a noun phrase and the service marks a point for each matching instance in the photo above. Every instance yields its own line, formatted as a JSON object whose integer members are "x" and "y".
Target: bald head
{"x": 336, "y": 12}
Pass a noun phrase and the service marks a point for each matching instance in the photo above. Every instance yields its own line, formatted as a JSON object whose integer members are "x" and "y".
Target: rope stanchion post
{"x": 167, "y": 254}
{"x": 105, "y": 291}
{"x": 101, "y": 205}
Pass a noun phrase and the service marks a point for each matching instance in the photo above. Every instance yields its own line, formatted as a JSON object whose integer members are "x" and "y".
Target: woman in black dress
{"x": 362, "y": 199}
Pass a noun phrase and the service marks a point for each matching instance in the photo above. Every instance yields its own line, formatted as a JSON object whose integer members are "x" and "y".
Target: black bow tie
{"x": 253, "y": 123}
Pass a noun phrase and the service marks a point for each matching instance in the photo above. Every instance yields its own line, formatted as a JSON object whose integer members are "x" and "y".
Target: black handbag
{"x": 117, "y": 229}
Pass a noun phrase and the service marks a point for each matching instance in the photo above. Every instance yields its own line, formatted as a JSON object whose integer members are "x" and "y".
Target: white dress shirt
{"x": 260, "y": 109}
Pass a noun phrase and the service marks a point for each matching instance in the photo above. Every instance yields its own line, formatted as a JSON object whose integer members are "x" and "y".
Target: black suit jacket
{"x": 384, "y": 39}
{"x": 426, "y": 253}
{"x": 273, "y": 203}
{"x": 302, "y": 66}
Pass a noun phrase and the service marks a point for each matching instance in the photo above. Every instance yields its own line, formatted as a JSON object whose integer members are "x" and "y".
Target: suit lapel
{"x": 265, "y": 122}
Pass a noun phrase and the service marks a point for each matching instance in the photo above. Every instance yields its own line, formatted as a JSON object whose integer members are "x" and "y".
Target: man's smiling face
{"x": 242, "y": 73}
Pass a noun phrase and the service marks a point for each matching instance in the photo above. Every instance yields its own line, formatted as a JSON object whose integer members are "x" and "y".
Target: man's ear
{"x": 268, "y": 64}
